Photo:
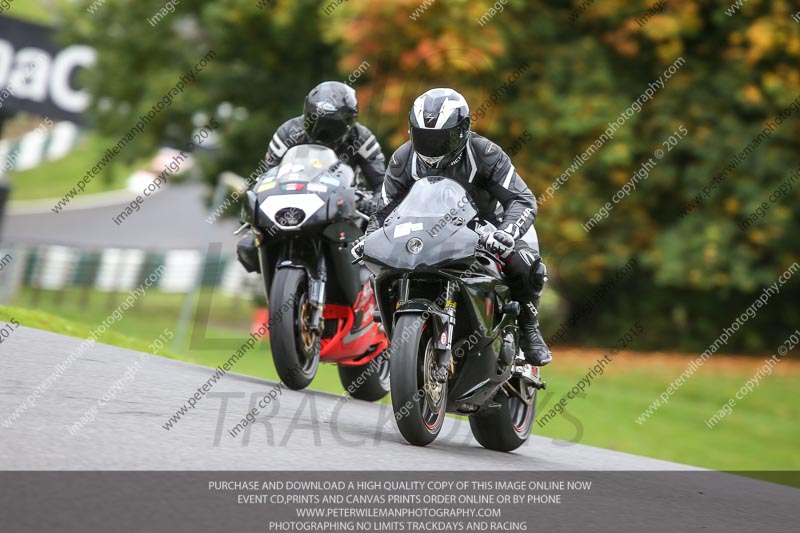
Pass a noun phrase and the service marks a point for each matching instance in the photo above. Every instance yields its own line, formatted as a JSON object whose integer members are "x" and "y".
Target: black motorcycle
{"x": 451, "y": 318}
{"x": 304, "y": 218}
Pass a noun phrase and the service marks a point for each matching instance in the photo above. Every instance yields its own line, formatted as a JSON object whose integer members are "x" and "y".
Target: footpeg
{"x": 528, "y": 372}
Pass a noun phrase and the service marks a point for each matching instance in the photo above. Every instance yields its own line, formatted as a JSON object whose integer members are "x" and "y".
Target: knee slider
{"x": 528, "y": 264}
{"x": 538, "y": 274}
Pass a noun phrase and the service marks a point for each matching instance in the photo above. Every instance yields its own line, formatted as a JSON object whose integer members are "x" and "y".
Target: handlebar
{"x": 481, "y": 247}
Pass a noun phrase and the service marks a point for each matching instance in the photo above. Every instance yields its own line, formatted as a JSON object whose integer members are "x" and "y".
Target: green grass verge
{"x": 54, "y": 178}
{"x": 761, "y": 433}
{"x": 48, "y": 322}
{"x": 147, "y": 319}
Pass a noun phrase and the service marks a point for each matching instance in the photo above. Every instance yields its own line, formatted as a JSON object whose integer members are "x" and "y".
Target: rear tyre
{"x": 295, "y": 349}
{"x": 374, "y": 378}
{"x": 419, "y": 402}
{"x": 508, "y": 427}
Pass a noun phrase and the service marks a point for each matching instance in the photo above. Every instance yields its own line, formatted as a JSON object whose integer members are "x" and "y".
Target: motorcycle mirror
{"x": 252, "y": 199}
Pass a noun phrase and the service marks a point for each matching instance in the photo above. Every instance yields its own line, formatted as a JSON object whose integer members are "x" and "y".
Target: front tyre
{"x": 506, "y": 428}
{"x": 368, "y": 382}
{"x": 419, "y": 402}
{"x": 295, "y": 349}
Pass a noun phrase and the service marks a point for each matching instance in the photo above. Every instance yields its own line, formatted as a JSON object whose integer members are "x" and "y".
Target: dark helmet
{"x": 330, "y": 111}
{"x": 439, "y": 123}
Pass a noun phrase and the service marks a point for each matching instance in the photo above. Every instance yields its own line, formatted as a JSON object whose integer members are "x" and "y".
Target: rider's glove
{"x": 501, "y": 243}
{"x": 357, "y": 251}
{"x": 368, "y": 205}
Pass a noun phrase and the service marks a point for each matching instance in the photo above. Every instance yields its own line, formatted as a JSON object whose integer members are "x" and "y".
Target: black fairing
{"x": 449, "y": 255}
{"x": 437, "y": 212}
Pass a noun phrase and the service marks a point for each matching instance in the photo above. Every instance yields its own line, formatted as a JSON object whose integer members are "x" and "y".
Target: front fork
{"x": 445, "y": 348}
{"x": 443, "y": 344}
{"x": 316, "y": 295}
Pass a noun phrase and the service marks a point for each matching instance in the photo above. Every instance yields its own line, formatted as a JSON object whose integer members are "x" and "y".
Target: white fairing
{"x": 307, "y": 203}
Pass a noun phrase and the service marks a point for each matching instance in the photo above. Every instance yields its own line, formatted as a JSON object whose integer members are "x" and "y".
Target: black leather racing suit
{"x": 500, "y": 194}
{"x": 360, "y": 149}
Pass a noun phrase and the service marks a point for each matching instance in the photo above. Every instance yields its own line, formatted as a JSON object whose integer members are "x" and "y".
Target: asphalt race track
{"x": 316, "y": 432}
{"x": 301, "y": 430}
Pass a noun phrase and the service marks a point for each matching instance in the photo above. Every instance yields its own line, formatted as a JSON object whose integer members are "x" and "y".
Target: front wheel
{"x": 507, "y": 427}
{"x": 418, "y": 400}
{"x": 295, "y": 349}
{"x": 368, "y": 382}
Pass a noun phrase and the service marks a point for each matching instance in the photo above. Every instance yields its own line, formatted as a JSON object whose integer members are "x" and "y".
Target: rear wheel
{"x": 295, "y": 349}
{"x": 506, "y": 428}
{"x": 373, "y": 378}
{"x": 419, "y": 401}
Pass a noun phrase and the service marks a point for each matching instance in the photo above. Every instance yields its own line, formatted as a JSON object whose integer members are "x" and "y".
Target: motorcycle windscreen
{"x": 311, "y": 162}
{"x": 436, "y": 197}
{"x": 428, "y": 228}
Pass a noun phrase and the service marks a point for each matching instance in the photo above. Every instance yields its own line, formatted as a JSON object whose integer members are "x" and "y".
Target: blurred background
{"x": 699, "y": 101}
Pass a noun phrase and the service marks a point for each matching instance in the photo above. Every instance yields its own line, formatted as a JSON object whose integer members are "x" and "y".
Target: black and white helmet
{"x": 439, "y": 123}
{"x": 330, "y": 111}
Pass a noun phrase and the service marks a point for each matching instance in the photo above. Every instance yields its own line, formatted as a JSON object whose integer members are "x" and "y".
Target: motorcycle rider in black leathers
{"x": 442, "y": 145}
{"x": 329, "y": 119}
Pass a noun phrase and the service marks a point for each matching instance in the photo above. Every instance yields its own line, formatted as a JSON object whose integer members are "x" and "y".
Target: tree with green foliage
{"x": 546, "y": 81}
{"x": 583, "y": 67}
{"x": 264, "y": 61}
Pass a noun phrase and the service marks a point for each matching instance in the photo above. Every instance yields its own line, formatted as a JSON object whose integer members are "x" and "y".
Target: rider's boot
{"x": 531, "y": 341}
